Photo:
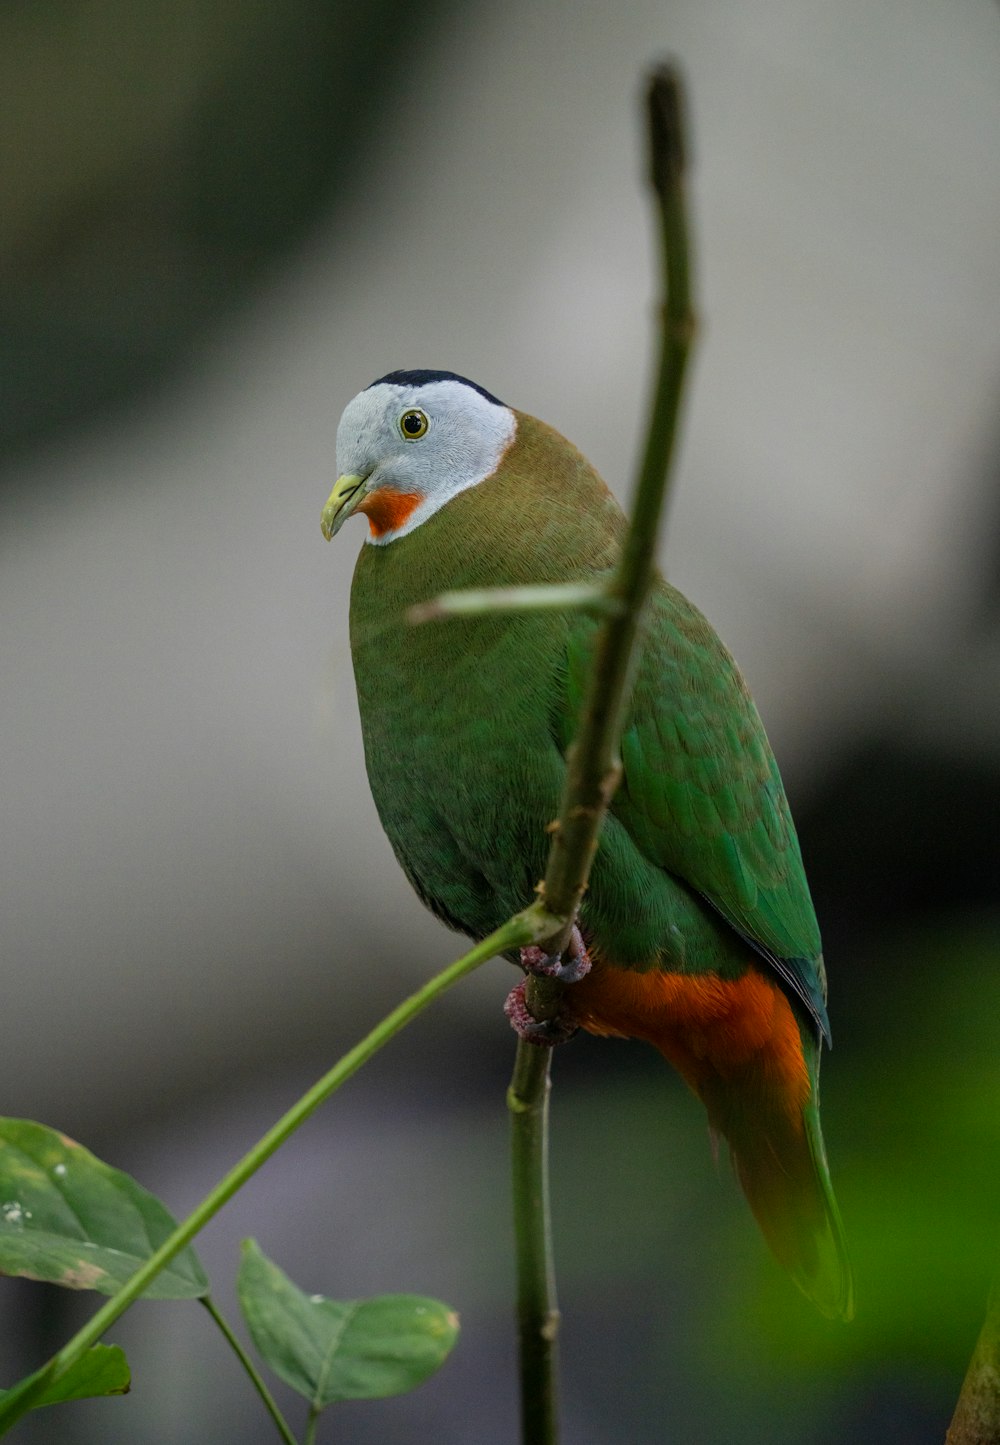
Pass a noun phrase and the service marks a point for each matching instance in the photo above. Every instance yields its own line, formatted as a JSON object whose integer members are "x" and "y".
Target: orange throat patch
{"x": 387, "y": 510}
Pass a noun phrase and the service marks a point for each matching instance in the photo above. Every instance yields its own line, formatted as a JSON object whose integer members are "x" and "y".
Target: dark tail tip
{"x": 784, "y": 1174}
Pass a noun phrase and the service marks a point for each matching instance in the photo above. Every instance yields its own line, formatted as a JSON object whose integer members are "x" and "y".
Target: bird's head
{"x": 408, "y": 444}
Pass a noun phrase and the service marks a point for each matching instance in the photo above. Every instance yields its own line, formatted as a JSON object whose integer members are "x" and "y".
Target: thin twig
{"x": 537, "y": 1310}
{"x": 977, "y": 1415}
{"x": 543, "y": 597}
{"x": 594, "y": 769}
{"x": 232, "y": 1339}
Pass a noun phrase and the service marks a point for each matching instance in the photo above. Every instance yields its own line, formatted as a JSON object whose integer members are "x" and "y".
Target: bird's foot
{"x": 545, "y": 1033}
{"x": 568, "y": 967}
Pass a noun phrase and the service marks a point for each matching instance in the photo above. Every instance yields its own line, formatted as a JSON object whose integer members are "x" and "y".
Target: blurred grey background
{"x": 222, "y": 220}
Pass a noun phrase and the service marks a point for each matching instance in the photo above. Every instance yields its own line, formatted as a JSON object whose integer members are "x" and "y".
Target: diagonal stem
{"x": 977, "y": 1415}
{"x": 232, "y": 1339}
{"x": 593, "y": 765}
{"x": 514, "y": 934}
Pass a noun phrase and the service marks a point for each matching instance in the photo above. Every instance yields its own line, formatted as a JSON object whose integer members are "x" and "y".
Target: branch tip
{"x": 667, "y": 129}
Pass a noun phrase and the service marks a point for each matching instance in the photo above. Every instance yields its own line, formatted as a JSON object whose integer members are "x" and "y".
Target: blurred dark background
{"x": 220, "y": 221}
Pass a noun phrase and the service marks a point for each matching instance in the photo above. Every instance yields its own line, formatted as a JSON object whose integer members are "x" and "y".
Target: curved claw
{"x": 545, "y": 965}
{"x": 545, "y": 1033}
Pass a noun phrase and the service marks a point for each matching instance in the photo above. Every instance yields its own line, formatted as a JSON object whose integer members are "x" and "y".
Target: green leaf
{"x": 69, "y": 1219}
{"x": 342, "y": 1349}
{"x": 103, "y": 1370}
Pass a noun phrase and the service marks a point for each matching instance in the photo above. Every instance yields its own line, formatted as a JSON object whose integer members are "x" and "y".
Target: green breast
{"x": 464, "y": 720}
{"x": 459, "y": 716}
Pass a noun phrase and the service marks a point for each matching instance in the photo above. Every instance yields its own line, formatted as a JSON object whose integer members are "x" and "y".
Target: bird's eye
{"x": 413, "y": 424}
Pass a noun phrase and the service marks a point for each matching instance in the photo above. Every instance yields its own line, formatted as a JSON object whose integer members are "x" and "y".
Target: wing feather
{"x": 702, "y": 797}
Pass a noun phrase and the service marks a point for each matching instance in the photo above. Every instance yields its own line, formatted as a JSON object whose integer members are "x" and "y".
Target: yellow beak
{"x": 342, "y": 501}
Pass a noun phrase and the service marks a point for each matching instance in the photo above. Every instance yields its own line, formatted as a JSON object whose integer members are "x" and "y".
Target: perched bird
{"x": 697, "y": 931}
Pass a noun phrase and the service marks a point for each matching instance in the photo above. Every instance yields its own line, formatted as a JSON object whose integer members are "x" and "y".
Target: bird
{"x": 697, "y": 931}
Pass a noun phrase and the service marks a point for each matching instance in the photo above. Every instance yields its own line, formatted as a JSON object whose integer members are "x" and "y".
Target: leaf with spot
{"x": 69, "y": 1219}
{"x": 103, "y": 1370}
{"x": 332, "y": 1350}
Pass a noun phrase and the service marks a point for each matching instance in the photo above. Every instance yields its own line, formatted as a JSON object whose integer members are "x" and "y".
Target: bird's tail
{"x": 780, "y": 1161}
{"x": 741, "y": 1047}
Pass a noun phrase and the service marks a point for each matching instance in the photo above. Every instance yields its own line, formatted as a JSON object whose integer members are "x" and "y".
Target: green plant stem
{"x": 311, "y": 1424}
{"x": 593, "y": 764}
{"x": 594, "y": 768}
{"x": 537, "y": 1310}
{"x": 236, "y": 1346}
{"x": 544, "y": 597}
{"x": 514, "y": 934}
{"x": 977, "y": 1415}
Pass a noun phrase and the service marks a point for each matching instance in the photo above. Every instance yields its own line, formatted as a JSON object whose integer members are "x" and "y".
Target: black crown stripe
{"x": 421, "y": 378}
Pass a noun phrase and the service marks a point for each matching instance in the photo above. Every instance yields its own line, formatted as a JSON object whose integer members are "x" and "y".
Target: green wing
{"x": 701, "y": 794}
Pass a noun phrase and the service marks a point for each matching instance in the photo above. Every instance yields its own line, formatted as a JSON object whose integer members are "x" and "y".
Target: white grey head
{"x": 409, "y": 443}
